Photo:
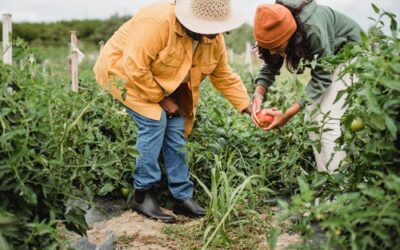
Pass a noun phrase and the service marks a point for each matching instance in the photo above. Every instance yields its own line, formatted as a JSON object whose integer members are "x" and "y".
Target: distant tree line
{"x": 93, "y": 31}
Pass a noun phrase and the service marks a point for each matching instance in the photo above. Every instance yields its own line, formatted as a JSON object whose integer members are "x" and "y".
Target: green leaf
{"x": 9, "y": 135}
{"x": 108, "y": 161}
{"x": 273, "y": 237}
{"x": 391, "y": 84}
{"x": 304, "y": 188}
{"x": 75, "y": 220}
{"x": 393, "y": 24}
{"x": 3, "y": 243}
{"x": 319, "y": 181}
{"x": 106, "y": 188}
{"x": 376, "y": 8}
{"x": 372, "y": 102}
{"x": 391, "y": 126}
{"x": 133, "y": 152}
{"x": 378, "y": 122}
{"x": 111, "y": 172}
{"x": 339, "y": 95}
{"x": 395, "y": 66}
{"x": 6, "y": 219}
{"x": 28, "y": 194}
{"x": 374, "y": 192}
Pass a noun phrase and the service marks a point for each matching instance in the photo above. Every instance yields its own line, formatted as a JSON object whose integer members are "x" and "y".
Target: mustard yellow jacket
{"x": 149, "y": 56}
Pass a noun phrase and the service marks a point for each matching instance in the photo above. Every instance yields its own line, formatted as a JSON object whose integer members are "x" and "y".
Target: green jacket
{"x": 327, "y": 31}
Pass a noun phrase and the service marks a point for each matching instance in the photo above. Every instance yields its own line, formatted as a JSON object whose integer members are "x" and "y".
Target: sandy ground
{"x": 284, "y": 240}
{"x": 134, "y": 231}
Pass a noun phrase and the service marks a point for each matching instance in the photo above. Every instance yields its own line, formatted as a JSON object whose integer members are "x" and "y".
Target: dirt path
{"x": 117, "y": 227}
{"x": 130, "y": 230}
{"x": 134, "y": 231}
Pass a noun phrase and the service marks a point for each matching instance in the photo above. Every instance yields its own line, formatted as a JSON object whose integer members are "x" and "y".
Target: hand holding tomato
{"x": 277, "y": 121}
{"x": 255, "y": 109}
{"x": 264, "y": 119}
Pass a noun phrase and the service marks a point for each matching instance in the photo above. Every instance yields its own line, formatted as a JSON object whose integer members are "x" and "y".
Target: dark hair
{"x": 191, "y": 34}
{"x": 296, "y": 48}
{"x": 195, "y": 36}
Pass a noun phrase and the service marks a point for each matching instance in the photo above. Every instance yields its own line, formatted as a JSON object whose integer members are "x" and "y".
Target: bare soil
{"x": 133, "y": 231}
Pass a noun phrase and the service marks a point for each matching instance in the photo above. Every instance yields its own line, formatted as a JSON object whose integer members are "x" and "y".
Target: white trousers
{"x": 327, "y": 114}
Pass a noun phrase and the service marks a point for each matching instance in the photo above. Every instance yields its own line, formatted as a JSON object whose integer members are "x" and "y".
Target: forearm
{"x": 260, "y": 90}
{"x": 292, "y": 111}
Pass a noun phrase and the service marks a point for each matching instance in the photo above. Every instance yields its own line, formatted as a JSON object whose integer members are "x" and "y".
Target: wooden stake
{"x": 7, "y": 39}
{"x": 248, "y": 57}
{"x": 231, "y": 56}
{"x": 74, "y": 61}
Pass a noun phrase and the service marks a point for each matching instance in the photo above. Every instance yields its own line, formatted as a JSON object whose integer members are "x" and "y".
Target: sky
{"x": 55, "y": 10}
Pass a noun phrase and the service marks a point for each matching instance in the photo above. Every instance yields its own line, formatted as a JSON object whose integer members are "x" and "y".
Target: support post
{"x": 7, "y": 39}
{"x": 231, "y": 56}
{"x": 248, "y": 57}
{"x": 74, "y": 61}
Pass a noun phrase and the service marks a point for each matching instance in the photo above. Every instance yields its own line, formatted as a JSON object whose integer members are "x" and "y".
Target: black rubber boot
{"x": 145, "y": 203}
{"x": 188, "y": 208}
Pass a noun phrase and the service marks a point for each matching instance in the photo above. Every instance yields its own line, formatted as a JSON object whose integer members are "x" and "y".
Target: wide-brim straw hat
{"x": 209, "y": 16}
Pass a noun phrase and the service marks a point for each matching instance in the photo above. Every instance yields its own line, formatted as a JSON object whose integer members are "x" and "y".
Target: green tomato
{"x": 125, "y": 191}
{"x": 357, "y": 124}
{"x": 319, "y": 217}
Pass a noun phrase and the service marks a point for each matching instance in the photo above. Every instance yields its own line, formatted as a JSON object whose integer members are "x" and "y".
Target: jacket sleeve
{"x": 229, "y": 83}
{"x": 321, "y": 78}
{"x": 268, "y": 72}
{"x": 144, "y": 44}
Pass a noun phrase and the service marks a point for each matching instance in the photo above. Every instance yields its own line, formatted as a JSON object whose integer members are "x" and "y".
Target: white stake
{"x": 231, "y": 56}
{"x": 7, "y": 39}
{"x": 249, "y": 57}
{"x": 74, "y": 61}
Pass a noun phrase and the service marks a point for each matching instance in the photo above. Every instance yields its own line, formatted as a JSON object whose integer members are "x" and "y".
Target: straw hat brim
{"x": 204, "y": 26}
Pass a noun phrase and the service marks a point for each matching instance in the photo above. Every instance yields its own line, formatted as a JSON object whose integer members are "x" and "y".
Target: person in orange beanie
{"x": 292, "y": 31}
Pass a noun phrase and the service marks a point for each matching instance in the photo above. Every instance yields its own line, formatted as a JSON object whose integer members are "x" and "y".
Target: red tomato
{"x": 264, "y": 118}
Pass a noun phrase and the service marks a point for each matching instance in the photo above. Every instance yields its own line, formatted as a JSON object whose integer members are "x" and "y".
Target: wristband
{"x": 256, "y": 94}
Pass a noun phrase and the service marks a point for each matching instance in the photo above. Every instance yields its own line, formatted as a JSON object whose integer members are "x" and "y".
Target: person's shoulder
{"x": 317, "y": 38}
{"x": 219, "y": 42}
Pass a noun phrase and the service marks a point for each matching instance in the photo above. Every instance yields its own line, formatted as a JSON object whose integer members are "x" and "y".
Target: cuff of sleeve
{"x": 302, "y": 103}
{"x": 262, "y": 82}
{"x": 243, "y": 106}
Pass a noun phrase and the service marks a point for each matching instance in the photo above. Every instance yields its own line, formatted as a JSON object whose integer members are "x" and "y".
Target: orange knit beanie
{"x": 274, "y": 24}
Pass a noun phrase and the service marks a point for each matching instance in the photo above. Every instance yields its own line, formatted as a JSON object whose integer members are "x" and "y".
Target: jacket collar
{"x": 207, "y": 40}
{"x": 179, "y": 29}
{"x": 180, "y": 32}
{"x": 307, "y": 11}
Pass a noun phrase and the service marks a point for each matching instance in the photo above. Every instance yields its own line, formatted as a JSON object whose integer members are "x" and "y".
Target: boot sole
{"x": 152, "y": 217}
{"x": 187, "y": 214}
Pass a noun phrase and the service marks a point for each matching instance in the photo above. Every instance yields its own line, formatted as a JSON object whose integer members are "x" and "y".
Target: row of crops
{"x": 59, "y": 150}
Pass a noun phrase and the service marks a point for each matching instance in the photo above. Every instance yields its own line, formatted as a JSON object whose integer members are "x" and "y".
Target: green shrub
{"x": 58, "y": 150}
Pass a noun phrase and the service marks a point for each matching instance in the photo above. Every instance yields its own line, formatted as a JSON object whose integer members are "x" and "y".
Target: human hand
{"x": 256, "y": 102}
{"x": 279, "y": 119}
{"x": 170, "y": 106}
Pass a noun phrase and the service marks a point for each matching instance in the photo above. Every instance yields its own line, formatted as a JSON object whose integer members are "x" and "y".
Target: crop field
{"x": 61, "y": 151}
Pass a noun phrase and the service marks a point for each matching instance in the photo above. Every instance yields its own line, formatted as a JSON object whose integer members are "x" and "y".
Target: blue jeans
{"x": 165, "y": 135}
